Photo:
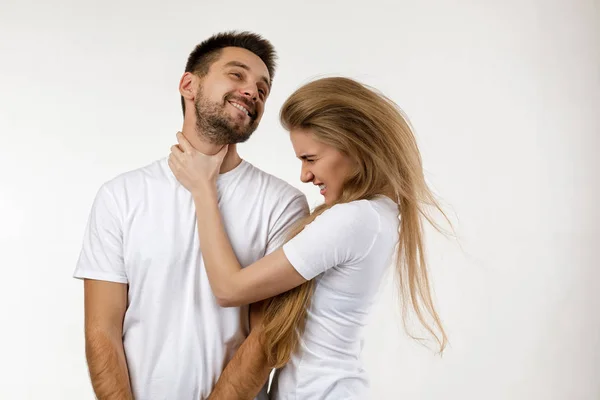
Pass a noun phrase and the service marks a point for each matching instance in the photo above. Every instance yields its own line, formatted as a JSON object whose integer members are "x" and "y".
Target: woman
{"x": 358, "y": 148}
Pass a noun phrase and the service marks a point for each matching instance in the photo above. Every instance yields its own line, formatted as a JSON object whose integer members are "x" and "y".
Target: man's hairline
{"x": 219, "y": 53}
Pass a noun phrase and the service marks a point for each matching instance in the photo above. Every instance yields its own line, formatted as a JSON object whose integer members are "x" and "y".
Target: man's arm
{"x": 105, "y": 305}
{"x": 247, "y": 372}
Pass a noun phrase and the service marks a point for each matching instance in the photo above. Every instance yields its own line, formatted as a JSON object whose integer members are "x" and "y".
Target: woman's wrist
{"x": 205, "y": 195}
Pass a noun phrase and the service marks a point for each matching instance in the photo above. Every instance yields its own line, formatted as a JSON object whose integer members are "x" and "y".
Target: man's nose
{"x": 250, "y": 92}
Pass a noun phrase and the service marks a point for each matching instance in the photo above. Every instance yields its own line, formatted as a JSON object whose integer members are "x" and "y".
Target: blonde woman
{"x": 357, "y": 147}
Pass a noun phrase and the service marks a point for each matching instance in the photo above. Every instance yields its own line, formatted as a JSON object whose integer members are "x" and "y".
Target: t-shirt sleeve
{"x": 297, "y": 208}
{"x": 343, "y": 234}
{"x": 101, "y": 256}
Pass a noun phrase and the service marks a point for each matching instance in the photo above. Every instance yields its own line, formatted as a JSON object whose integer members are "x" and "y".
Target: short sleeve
{"x": 295, "y": 210}
{"x": 101, "y": 256}
{"x": 343, "y": 234}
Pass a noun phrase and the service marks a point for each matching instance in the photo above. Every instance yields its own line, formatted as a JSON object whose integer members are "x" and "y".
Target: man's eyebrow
{"x": 247, "y": 68}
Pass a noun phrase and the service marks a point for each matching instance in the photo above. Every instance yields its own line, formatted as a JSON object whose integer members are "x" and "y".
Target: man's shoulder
{"x": 274, "y": 185}
{"x": 153, "y": 172}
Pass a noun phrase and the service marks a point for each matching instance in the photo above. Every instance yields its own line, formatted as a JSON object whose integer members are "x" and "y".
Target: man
{"x": 153, "y": 327}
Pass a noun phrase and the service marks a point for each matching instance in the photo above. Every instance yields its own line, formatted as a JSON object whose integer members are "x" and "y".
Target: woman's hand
{"x": 194, "y": 170}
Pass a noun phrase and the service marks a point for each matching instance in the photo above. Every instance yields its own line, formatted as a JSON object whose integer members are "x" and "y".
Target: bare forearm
{"x": 220, "y": 260}
{"x": 246, "y": 373}
{"x": 231, "y": 284}
{"x": 108, "y": 367}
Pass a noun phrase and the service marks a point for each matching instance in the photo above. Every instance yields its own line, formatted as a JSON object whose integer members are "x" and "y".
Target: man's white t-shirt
{"x": 142, "y": 232}
{"x": 346, "y": 250}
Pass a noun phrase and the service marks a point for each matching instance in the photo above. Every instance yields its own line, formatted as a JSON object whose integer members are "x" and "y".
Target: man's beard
{"x": 214, "y": 123}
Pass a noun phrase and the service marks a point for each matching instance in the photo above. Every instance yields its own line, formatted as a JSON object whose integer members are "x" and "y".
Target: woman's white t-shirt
{"x": 347, "y": 249}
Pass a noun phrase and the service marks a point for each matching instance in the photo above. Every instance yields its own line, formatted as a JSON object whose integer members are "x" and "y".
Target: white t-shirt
{"x": 347, "y": 250}
{"x": 142, "y": 231}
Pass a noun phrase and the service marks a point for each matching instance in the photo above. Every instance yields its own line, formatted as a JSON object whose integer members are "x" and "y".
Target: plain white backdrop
{"x": 504, "y": 97}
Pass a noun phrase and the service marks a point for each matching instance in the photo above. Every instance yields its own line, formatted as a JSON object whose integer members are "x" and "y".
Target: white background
{"x": 504, "y": 96}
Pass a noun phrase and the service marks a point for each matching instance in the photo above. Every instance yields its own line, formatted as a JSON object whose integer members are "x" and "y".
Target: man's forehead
{"x": 231, "y": 55}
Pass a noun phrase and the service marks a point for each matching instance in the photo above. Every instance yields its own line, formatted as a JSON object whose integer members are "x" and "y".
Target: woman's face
{"x": 323, "y": 165}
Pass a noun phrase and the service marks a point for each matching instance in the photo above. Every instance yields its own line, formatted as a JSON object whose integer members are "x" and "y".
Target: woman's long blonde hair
{"x": 370, "y": 129}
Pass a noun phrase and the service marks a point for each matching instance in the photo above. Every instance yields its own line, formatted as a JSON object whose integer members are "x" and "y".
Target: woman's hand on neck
{"x": 232, "y": 158}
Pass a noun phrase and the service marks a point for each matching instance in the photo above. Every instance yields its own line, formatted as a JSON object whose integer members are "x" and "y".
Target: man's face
{"x": 230, "y": 99}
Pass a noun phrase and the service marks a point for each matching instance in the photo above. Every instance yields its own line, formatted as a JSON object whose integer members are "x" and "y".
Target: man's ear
{"x": 187, "y": 86}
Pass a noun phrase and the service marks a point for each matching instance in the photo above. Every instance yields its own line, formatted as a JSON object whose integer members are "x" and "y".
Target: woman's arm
{"x": 231, "y": 284}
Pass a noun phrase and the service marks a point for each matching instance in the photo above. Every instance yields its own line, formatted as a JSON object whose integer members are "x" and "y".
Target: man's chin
{"x": 233, "y": 139}
{"x": 243, "y": 130}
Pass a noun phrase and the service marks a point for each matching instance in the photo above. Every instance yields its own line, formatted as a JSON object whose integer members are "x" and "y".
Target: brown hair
{"x": 374, "y": 133}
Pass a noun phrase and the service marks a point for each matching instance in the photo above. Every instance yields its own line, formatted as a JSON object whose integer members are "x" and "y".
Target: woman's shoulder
{"x": 358, "y": 213}
{"x": 368, "y": 215}
{"x": 353, "y": 207}
{"x": 370, "y": 207}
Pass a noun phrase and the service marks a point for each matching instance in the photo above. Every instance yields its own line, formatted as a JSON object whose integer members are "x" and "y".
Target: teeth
{"x": 322, "y": 186}
{"x": 240, "y": 108}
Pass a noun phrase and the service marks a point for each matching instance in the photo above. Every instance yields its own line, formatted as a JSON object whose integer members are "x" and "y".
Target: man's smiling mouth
{"x": 241, "y": 108}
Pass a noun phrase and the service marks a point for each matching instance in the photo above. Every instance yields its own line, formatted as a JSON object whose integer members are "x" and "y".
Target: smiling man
{"x": 153, "y": 327}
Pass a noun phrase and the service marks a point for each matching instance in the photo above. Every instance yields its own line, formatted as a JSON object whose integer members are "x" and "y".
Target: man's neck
{"x": 232, "y": 158}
